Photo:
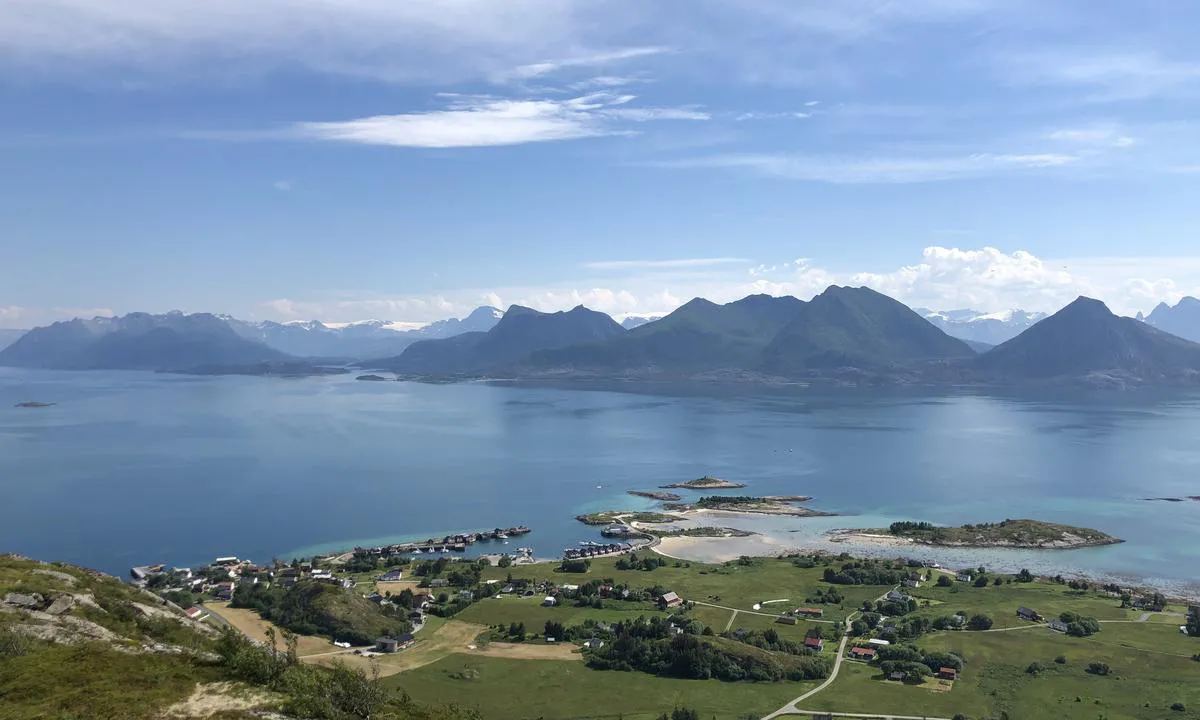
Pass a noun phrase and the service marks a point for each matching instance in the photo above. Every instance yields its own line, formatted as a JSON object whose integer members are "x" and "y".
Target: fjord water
{"x": 130, "y": 468}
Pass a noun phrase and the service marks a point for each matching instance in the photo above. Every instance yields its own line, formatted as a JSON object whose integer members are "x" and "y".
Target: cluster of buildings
{"x": 596, "y": 550}
{"x": 221, "y": 577}
{"x": 458, "y": 542}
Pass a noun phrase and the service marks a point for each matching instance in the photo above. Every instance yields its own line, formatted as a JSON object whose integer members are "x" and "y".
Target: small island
{"x": 767, "y": 505}
{"x": 656, "y": 495}
{"x": 1026, "y": 534}
{"x": 32, "y": 404}
{"x": 371, "y": 378}
{"x": 699, "y": 532}
{"x": 705, "y": 483}
{"x": 608, "y": 517}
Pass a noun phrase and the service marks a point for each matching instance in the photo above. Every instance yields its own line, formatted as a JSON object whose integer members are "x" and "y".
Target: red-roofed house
{"x": 862, "y": 653}
{"x": 814, "y": 643}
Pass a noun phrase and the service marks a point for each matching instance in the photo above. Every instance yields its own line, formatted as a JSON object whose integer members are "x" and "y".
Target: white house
{"x": 549, "y": 601}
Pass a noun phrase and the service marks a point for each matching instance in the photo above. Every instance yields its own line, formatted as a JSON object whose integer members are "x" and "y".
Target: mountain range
{"x": 355, "y": 341}
{"x": 138, "y": 341}
{"x": 843, "y": 335}
{"x": 979, "y": 329}
{"x": 1182, "y": 319}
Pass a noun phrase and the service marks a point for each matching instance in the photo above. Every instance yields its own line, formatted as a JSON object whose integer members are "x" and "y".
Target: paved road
{"x": 792, "y": 708}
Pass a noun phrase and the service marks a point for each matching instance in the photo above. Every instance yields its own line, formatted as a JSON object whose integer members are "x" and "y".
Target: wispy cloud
{"x": 1105, "y": 136}
{"x": 478, "y": 121}
{"x": 674, "y": 264}
{"x": 850, "y": 170}
{"x": 601, "y": 59}
{"x": 1110, "y": 75}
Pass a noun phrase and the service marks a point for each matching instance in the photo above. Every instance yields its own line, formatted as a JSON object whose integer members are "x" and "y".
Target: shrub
{"x": 1061, "y": 659}
{"x": 1035, "y": 668}
{"x": 981, "y": 581}
{"x": 944, "y": 581}
{"x": 1098, "y": 668}
{"x": 979, "y": 622}
{"x": 1179, "y": 707}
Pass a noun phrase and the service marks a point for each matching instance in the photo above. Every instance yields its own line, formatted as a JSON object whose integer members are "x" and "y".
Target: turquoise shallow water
{"x": 130, "y": 468}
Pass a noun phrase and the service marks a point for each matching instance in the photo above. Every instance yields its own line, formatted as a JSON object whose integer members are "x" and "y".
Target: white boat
{"x": 418, "y": 551}
{"x": 501, "y": 536}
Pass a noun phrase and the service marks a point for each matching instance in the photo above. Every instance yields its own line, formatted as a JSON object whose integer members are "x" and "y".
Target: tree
{"x": 505, "y": 561}
{"x": 979, "y": 622}
{"x": 1025, "y": 576}
{"x": 1098, "y": 668}
{"x": 1193, "y": 624}
{"x": 858, "y": 627}
{"x": 981, "y": 581}
{"x": 944, "y": 581}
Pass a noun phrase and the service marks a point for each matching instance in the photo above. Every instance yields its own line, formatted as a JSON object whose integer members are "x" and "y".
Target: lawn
{"x": 1142, "y": 685}
{"x": 514, "y": 689}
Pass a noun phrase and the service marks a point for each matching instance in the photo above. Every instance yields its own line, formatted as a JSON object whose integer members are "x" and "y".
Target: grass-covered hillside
{"x": 82, "y": 645}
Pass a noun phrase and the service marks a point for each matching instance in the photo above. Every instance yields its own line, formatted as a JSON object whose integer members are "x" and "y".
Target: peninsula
{"x": 608, "y": 517}
{"x": 656, "y": 495}
{"x": 705, "y": 483}
{"x": 1026, "y": 534}
{"x": 767, "y": 505}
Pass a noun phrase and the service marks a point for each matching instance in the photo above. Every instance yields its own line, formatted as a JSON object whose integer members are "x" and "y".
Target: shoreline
{"x": 896, "y": 541}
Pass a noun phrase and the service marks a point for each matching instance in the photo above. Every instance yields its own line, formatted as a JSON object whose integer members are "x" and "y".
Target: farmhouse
{"x": 387, "y": 645}
{"x": 1026, "y": 614}
{"x": 862, "y": 653}
{"x": 810, "y": 612}
{"x": 1057, "y": 626}
{"x": 390, "y": 576}
{"x": 814, "y": 643}
{"x": 948, "y": 673}
{"x": 670, "y": 600}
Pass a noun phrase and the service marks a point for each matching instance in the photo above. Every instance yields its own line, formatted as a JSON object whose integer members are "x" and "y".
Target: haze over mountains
{"x": 368, "y": 339}
{"x": 851, "y": 335}
{"x": 978, "y": 327}
{"x": 1182, "y": 319}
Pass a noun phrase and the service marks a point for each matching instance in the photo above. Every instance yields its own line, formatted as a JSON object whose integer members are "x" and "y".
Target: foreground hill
{"x": 138, "y": 341}
{"x": 1085, "y": 339}
{"x": 858, "y": 328}
{"x": 520, "y": 333}
{"x": 75, "y": 643}
{"x": 1182, "y": 319}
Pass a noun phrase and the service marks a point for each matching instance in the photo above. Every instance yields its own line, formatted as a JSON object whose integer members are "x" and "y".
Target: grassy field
{"x": 509, "y": 609}
{"x": 733, "y": 585}
{"x": 516, "y": 689}
{"x": 1143, "y": 686}
{"x": 1001, "y": 602}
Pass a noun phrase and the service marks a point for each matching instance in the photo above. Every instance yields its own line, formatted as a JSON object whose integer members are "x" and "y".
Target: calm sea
{"x": 133, "y": 468}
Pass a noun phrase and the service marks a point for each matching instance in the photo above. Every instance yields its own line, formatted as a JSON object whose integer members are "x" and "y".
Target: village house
{"x": 466, "y": 596}
{"x": 223, "y": 590}
{"x": 786, "y": 620}
{"x": 1057, "y": 626}
{"x": 863, "y": 653}
{"x": 947, "y": 673}
{"x": 550, "y": 601}
{"x": 196, "y": 613}
{"x": 897, "y": 596}
{"x": 439, "y": 583}
{"x": 387, "y": 645}
{"x": 390, "y": 576}
{"x": 670, "y": 600}
{"x": 911, "y": 583}
{"x": 1026, "y": 614}
{"x": 810, "y": 612}
{"x": 965, "y": 576}
{"x": 814, "y": 643}
{"x": 226, "y": 561}
{"x": 898, "y": 676}
{"x": 593, "y": 644}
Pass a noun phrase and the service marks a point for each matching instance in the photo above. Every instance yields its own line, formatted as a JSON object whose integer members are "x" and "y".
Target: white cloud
{"x": 475, "y": 121}
{"x": 852, "y": 170}
{"x": 674, "y": 264}
{"x": 1106, "y": 136}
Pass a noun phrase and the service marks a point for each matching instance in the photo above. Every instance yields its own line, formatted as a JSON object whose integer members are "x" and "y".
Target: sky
{"x": 351, "y": 159}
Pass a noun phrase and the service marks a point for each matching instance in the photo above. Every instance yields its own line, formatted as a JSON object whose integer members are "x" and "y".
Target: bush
{"x": 1098, "y": 668}
{"x": 980, "y": 622}
{"x": 1035, "y": 668}
{"x": 1061, "y": 659}
{"x": 981, "y": 581}
{"x": 944, "y": 581}
{"x": 1179, "y": 707}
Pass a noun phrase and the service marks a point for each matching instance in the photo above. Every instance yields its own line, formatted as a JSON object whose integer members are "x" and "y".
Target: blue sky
{"x": 351, "y": 159}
